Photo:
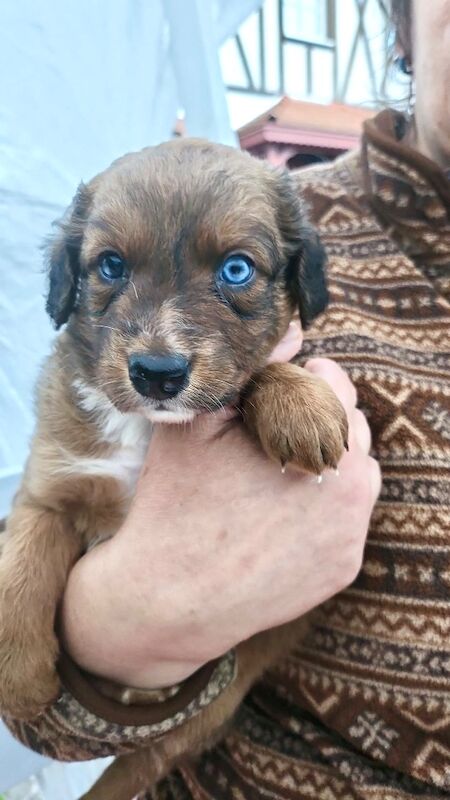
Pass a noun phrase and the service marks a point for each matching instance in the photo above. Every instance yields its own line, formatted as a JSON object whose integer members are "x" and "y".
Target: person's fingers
{"x": 359, "y": 431}
{"x": 374, "y": 478}
{"x": 289, "y": 346}
{"x": 339, "y": 381}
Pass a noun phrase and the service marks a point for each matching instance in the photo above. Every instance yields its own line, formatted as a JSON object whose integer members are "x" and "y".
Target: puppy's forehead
{"x": 206, "y": 190}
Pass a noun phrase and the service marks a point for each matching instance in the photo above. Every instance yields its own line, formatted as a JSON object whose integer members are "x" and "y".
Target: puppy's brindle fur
{"x": 173, "y": 212}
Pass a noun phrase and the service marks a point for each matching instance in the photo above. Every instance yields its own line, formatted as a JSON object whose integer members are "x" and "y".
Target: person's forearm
{"x": 97, "y": 630}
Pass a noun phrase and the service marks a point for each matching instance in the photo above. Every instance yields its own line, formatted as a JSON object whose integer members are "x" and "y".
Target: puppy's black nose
{"x": 159, "y": 377}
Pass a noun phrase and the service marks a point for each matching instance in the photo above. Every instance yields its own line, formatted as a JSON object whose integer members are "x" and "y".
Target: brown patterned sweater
{"x": 362, "y": 709}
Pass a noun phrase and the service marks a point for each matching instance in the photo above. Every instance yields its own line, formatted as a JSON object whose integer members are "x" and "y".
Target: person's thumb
{"x": 289, "y": 345}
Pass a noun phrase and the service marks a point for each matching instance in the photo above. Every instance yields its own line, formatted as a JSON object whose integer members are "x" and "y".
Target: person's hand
{"x": 218, "y": 545}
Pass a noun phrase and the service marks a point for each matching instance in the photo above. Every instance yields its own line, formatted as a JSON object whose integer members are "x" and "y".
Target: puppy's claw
{"x": 283, "y": 466}
{"x": 319, "y": 479}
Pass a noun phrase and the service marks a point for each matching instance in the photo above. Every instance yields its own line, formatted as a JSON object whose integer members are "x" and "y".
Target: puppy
{"x": 177, "y": 270}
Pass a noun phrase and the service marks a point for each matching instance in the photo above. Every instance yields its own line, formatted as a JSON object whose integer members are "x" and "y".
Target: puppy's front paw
{"x": 297, "y": 418}
{"x": 28, "y": 678}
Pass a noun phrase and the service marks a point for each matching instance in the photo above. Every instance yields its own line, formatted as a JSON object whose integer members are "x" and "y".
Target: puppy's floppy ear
{"x": 309, "y": 268}
{"x": 63, "y": 259}
{"x": 306, "y": 271}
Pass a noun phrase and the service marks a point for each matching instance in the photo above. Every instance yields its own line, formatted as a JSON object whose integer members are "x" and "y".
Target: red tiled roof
{"x": 300, "y": 122}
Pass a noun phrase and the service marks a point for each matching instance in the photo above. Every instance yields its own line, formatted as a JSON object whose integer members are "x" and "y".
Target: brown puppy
{"x": 177, "y": 271}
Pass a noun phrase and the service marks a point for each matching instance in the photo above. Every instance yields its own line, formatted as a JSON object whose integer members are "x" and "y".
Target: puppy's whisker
{"x": 217, "y": 382}
{"x": 213, "y": 399}
{"x": 117, "y": 330}
{"x": 135, "y": 290}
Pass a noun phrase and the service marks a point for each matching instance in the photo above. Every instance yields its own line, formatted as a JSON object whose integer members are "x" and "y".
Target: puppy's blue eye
{"x": 236, "y": 270}
{"x": 111, "y": 266}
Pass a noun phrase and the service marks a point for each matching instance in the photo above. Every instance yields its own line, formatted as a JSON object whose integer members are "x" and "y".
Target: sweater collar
{"x": 409, "y": 193}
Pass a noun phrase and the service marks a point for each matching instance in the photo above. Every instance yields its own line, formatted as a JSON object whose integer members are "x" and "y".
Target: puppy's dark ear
{"x": 63, "y": 259}
{"x": 304, "y": 252}
{"x": 309, "y": 272}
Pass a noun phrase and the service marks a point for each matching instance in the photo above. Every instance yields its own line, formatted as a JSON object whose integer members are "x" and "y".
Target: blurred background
{"x": 85, "y": 81}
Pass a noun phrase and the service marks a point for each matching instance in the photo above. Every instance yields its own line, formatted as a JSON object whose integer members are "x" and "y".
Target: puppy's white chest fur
{"x": 128, "y": 435}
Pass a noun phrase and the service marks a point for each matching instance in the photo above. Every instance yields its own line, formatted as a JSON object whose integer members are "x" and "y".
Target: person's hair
{"x": 398, "y": 15}
{"x": 401, "y": 18}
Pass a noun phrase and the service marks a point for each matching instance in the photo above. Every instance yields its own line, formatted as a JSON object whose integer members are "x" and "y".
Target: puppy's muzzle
{"x": 158, "y": 377}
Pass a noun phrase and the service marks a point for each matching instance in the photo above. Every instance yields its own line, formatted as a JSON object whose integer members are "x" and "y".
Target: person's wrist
{"x": 105, "y": 635}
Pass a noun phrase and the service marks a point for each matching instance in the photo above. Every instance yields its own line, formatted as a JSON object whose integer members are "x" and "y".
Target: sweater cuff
{"x": 84, "y": 724}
